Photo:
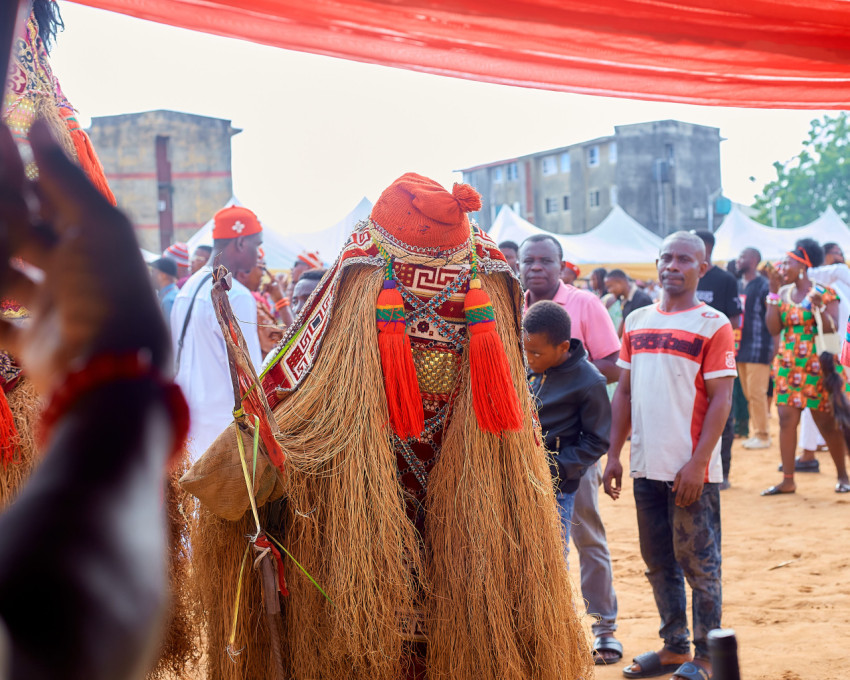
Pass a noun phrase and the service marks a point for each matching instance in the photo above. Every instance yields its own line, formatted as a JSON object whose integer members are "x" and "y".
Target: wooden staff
{"x": 239, "y": 360}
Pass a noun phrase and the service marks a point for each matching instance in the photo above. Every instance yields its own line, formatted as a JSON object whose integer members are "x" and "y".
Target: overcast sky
{"x": 320, "y": 133}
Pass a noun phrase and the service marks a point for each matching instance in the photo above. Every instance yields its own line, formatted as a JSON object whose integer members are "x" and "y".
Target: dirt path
{"x": 786, "y": 572}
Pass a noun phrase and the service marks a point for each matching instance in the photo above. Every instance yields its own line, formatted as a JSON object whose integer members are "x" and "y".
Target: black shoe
{"x": 805, "y": 465}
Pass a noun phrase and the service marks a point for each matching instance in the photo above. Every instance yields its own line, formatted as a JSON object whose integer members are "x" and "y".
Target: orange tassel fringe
{"x": 494, "y": 396}
{"x": 402, "y": 387}
{"x": 86, "y": 156}
{"x": 8, "y": 433}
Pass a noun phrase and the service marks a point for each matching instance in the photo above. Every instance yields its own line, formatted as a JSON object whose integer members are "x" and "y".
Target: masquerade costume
{"x": 33, "y": 92}
{"x": 416, "y": 492}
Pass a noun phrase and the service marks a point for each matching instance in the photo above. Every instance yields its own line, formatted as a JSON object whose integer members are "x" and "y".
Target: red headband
{"x": 573, "y": 267}
{"x": 801, "y": 260}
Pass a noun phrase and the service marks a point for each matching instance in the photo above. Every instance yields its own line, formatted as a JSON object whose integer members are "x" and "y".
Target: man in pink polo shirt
{"x": 541, "y": 263}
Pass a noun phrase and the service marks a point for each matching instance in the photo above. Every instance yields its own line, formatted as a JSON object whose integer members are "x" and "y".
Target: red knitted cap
{"x": 312, "y": 260}
{"x": 420, "y": 212}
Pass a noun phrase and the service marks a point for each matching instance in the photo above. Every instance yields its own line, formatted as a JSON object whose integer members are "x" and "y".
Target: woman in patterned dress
{"x": 796, "y": 367}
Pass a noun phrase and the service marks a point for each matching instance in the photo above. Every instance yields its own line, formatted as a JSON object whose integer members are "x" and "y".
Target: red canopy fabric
{"x": 753, "y": 53}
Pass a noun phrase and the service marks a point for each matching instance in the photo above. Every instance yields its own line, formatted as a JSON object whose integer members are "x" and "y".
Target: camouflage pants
{"x": 678, "y": 544}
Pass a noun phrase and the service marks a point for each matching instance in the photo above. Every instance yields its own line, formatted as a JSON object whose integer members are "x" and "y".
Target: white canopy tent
{"x": 328, "y": 242}
{"x": 508, "y": 226}
{"x": 618, "y": 239}
{"x": 829, "y": 227}
{"x": 282, "y": 251}
{"x": 739, "y": 231}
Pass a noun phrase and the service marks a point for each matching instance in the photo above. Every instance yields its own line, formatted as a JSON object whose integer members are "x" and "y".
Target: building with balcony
{"x": 665, "y": 174}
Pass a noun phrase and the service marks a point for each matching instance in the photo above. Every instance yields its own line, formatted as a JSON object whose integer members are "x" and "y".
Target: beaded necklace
{"x": 433, "y": 425}
{"x": 427, "y": 310}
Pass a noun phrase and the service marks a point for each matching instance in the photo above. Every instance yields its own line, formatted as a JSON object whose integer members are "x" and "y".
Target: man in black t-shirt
{"x": 719, "y": 289}
{"x": 756, "y": 350}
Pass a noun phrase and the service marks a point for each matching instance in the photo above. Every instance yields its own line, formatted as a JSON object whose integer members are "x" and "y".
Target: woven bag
{"x": 217, "y": 480}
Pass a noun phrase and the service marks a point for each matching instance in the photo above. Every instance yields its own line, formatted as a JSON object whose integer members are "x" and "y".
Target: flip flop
{"x": 776, "y": 491}
{"x": 606, "y": 643}
{"x": 650, "y": 666}
{"x": 842, "y": 488}
{"x": 690, "y": 671}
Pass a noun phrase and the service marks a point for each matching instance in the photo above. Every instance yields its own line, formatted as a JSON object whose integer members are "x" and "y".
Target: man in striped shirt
{"x": 675, "y": 393}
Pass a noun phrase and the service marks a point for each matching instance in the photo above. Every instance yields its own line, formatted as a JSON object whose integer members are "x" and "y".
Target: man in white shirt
{"x": 674, "y": 396}
{"x": 199, "y": 350}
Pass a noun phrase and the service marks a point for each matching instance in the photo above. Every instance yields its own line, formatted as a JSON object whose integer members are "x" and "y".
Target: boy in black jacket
{"x": 572, "y": 402}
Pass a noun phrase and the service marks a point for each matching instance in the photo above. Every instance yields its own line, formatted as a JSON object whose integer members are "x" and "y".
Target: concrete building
{"x": 170, "y": 171}
{"x": 665, "y": 174}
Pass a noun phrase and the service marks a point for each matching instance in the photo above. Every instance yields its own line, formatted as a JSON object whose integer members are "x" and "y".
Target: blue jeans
{"x": 677, "y": 542}
{"x": 566, "y": 503}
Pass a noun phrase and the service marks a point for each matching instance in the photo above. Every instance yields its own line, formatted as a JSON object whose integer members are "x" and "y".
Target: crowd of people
{"x": 606, "y": 364}
{"x": 407, "y": 396}
{"x": 264, "y": 304}
{"x": 711, "y": 337}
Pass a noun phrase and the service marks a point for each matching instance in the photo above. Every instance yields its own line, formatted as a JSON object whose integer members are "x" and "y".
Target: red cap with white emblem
{"x": 235, "y": 221}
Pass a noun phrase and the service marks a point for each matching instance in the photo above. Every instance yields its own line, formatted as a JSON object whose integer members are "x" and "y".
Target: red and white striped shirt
{"x": 670, "y": 356}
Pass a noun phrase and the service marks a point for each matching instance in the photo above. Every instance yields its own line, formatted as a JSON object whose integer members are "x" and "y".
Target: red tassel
{"x": 263, "y": 542}
{"x": 402, "y": 387}
{"x": 494, "y": 395}
{"x": 8, "y": 431}
{"x": 86, "y": 156}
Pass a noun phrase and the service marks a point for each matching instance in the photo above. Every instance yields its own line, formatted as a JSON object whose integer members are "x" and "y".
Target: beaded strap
{"x": 428, "y": 310}
{"x": 473, "y": 255}
{"x": 388, "y": 260}
{"x": 419, "y": 250}
{"x": 415, "y": 464}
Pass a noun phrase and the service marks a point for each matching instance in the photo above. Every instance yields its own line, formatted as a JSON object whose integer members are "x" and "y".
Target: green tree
{"x": 817, "y": 177}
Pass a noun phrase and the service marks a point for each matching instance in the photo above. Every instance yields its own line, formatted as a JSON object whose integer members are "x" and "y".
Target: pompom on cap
{"x": 420, "y": 212}
{"x": 467, "y": 198}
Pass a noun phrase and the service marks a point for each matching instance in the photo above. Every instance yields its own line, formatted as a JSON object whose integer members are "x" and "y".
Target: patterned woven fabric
{"x": 33, "y": 90}
{"x": 295, "y": 354}
{"x": 433, "y": 293}
{"x": 797, "y": 368}
{"x": 9, "y": 371}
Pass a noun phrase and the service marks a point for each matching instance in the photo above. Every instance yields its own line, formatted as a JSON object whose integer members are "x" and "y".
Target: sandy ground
{"x": 786, "y": 572}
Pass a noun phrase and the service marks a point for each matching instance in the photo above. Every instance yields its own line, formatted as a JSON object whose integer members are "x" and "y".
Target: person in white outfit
{"x": 835, "y": 274}
{"x": 199, "y": 350}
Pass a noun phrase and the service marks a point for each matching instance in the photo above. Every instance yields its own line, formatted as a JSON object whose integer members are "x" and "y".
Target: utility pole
{"x": 711, "y": 196}
{"x": 165, "y": 190}
{"x": 660, "y": 171}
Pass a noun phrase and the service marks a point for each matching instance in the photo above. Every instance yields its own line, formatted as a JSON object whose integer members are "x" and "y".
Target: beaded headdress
{"x": 423, "y": 216}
